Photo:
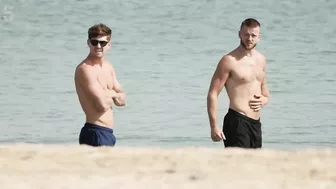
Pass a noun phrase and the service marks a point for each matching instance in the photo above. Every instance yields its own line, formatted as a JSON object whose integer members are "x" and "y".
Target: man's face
{"x": 99, "y": 45}
{"x": 249, "y": 37}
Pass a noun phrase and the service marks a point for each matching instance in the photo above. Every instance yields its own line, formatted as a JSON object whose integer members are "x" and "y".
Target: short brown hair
{"x": 250, "y": 22}
{"x": 99, "y": 30}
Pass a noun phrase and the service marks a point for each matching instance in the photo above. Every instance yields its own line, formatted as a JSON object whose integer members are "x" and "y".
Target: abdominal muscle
{"x": 104, "y": 119}
{"x": 241, "y": 94}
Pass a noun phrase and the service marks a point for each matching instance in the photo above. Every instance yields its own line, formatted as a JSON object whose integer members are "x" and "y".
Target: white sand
{"x": 81, "y": 167}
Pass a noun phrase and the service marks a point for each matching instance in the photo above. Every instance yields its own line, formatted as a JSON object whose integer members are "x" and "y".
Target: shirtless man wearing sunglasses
{"x": 98, "y": 89}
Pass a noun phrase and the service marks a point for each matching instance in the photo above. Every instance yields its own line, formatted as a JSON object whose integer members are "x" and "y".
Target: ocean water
{"x": 165, "y": 54}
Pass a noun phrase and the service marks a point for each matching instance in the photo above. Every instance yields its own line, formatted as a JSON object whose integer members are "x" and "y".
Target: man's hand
{"x": 110, "y": 93}
{"x": 256, "y": 103}
{"x": 119, "y": 100}
{"x": 217, "y": 134}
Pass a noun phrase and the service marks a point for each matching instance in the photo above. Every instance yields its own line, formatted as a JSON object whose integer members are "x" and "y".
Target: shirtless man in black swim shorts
{"x": 243, "y": 73}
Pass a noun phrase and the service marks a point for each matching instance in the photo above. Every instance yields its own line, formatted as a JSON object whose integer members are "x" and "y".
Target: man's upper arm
{"x": 89, "y": 83}
{"x": 220, "y": 76}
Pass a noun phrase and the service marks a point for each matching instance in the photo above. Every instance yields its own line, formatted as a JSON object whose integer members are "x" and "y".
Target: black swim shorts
{"x": 241, "y": 131}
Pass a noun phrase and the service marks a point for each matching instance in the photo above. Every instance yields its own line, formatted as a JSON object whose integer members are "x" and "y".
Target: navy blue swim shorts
{"x": 95, "y": 135}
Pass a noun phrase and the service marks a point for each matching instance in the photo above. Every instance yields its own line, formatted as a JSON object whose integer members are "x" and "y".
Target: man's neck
{"x": 96, "y": 61}
{"x": 245, "y": 52}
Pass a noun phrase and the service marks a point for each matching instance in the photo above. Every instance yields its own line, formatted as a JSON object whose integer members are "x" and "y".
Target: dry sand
{"x": 82, "y": 167}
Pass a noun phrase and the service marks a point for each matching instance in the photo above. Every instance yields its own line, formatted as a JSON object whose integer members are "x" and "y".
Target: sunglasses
{"x": 95, "y": 42}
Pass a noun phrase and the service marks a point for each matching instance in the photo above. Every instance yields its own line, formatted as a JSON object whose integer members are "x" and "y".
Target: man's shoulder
{"x": 227, "y": 60}
{"x": 108, "y": 64}
{"x": 229, "y": 57}
{"x": 82, "y": 70}
{"x": 260, "y": 55}
{"x": 81, "y": 67}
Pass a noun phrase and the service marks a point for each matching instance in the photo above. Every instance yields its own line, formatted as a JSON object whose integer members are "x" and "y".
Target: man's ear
{"x": 109, "y": 44}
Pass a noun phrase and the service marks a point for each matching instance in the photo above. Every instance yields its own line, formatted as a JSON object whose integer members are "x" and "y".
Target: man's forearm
{"x": 212, "y": 108}
{"x": 110, "y": 93}
{"x": 105, "y": 102}
{"x": 265, "y": 100}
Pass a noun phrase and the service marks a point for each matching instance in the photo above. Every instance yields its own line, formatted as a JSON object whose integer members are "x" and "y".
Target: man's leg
{"x": 238, "y": 137}
{"x": 256, "y": 135}
{"x": 105, "y": 136}
{"x": 235, "y": 131}
{"x": 88, "y": 135}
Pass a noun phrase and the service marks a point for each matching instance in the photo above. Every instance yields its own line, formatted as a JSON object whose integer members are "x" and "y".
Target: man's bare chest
{"x": 246, "y": 73}
{"x": 104, "y": 78}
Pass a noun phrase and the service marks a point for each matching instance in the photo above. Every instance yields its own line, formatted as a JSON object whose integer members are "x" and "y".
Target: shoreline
{"x": 72, "y": 166}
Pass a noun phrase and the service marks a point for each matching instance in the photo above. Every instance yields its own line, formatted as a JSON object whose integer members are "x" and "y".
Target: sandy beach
{"x": 71, "y": 166}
